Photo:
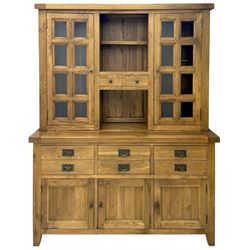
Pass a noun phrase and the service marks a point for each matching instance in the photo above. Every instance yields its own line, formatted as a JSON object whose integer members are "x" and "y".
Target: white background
{"x": 229, "y": 118}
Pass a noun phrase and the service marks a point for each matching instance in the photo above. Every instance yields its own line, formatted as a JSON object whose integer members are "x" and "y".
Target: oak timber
{"x": 120, "y": 150}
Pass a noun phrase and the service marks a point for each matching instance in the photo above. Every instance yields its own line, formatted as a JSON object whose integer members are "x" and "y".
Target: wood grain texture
{"x": 125, "y": 6}
{"x": 123, "y": 106}
{"x": 124, "y": 168}
{"x": 67, "y": 204}
{"x": 205, "y": 69}
{"x": 169, "y": 167}
{"x": 112, "y": 167}
{"x": 135, "y": 152}
{"x": 70, "y": 121}
{"x": 55, "y": 167}
{"x": 210, "y": 230}
{"x": 180, "y": 204}
{"x": 43, "y": 68}
{"x": 37, "y": 234}
{"x": 169, "y": 152}
{"x": 56, "y": 152}
{"x": 137, "y": 137}
{"x": 123, "y": 204}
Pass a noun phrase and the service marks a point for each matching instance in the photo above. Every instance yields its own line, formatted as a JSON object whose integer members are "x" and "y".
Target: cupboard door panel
{"x": 177, "y": 77}
{"x": 70, "y": 66}
{"x": 123, "y": 204}
{"x": 67, "y": 204}
{"x": 180, "y": 204}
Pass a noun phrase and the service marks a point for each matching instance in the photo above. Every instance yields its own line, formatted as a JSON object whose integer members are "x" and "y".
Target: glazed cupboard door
{"x": 177, "y": 89}
{"x": 123, "y": 204}
{"x": 180, "y": 204}
{"x": 67, "y": 204}
{"x": 70, "y": 70}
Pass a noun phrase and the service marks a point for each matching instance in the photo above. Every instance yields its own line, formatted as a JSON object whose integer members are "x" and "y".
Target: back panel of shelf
{"x": 123, "y": 42}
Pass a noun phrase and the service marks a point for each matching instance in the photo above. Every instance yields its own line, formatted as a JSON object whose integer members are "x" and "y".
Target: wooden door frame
{"x": 47, "y": 183}
{"x": 183, "y": 224}
{"x": 71, "y": 123}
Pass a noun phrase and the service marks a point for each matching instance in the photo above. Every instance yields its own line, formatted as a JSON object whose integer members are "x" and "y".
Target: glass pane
{"x": 187, "y": 55}
{"x": 80, "y": 29}
{"x": 60, "y": 29}
{"x": 167, "y": 29}
{"x": 61, "y": 83}
{"x": 60, "y": 54}
{"x": 186, "y": 109}
{"x": 80, "y": 109}
{"x": 61, "y": 109}
{"x": 80, "y": 84}
{"x": 167, "y": 84}
{"x": 186, "y": 84}
{"x": 187, "y": 29}
{"x": 166, "y": 109}
{"x": 167, "y": 55}
{"x": 80, "y": 55}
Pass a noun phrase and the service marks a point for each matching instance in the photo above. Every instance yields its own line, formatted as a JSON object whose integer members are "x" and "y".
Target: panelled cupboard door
{"x": 180, "y": 204}
{"x": 177, "y": 72}
{"x": 123, "y": 204}
{"x": 70, "y": 70}
{"x": 67, "y": 204}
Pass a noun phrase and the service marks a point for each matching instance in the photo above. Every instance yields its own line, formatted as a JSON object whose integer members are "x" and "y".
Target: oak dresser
{"x": 124, "y": 144}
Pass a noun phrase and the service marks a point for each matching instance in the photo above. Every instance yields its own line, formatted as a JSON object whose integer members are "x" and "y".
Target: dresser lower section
{"x": 116, "y": 188}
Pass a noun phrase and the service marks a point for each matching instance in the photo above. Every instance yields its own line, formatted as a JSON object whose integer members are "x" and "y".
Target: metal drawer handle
{"x": 136, "y": 81}
{"x": 181, "y": 153}
{"x": 124, "y": 152}
{"x": 180, "y": 167}
{"x": 110, "y": 80}
{"x": 67, "y": 167}
{"x": 123, "y": 167}
{"x": 68, "y": 152}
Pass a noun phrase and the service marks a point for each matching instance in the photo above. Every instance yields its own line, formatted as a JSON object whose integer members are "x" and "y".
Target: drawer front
{"x": 180, "y": 152}
{"x": 180, "y": 167}
{"x": 110, "y": 81}
{"x": 136, "y": 81}
{"x": 124, "y": 152}
{"x": 67, "y": 152}
{"x": 68, "y": 167}
{"x": 123, "y": 167}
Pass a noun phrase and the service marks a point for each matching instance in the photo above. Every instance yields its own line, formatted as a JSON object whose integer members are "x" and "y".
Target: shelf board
{"x": 116, "y": 42}
{"x": 123, "y": 126}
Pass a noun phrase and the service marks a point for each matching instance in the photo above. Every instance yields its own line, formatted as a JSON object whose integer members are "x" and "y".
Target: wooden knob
{"x": 136, "y": 81}
{"x": 100, "y": 204}
{"x": 110, "y": 80}
{"x": 157, "y": 205}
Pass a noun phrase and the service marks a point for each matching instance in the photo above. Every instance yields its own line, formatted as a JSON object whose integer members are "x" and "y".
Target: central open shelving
{"x": 123, "y": 48}
{"x": 124, "y": 42}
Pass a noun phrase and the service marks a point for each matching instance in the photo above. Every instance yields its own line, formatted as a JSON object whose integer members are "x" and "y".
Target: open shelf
{"x": 126, "y": 109}
{"x": 124, "y": 58}
{"x": 123, "y": 126}
{"x": 124, "y": 42}
{"x": 115, "y": 42}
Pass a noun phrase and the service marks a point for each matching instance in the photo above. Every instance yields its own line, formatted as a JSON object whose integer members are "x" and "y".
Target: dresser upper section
{"x": 124, "y": 67}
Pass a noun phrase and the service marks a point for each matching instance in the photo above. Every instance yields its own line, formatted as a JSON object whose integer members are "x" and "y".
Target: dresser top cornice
{"x": 203, "y": 6}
